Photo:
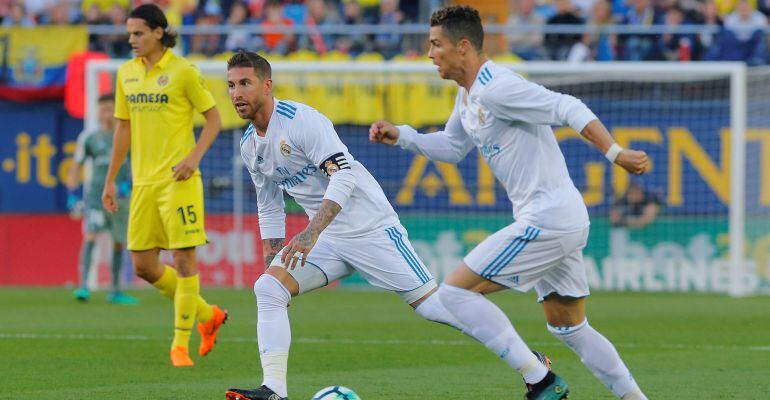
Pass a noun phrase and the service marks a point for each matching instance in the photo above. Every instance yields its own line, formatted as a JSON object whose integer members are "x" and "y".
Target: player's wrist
{"x": 612, "y": 152}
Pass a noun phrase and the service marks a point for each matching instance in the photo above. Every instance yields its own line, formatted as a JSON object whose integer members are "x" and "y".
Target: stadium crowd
{"x": 739, "y": 33}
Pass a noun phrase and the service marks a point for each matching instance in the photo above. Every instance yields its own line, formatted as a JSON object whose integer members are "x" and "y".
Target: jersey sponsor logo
{"x": 147, "y": 98}
{"x": 490, "y": 150}
{"x": 299, "y": 177}
{"x": 163, "y": 80}
{"x": 285, "y": 148}
{"x": 334, "y": 163}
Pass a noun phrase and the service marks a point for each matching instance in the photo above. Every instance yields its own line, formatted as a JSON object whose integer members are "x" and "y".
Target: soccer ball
{"x": 335, "y": 393}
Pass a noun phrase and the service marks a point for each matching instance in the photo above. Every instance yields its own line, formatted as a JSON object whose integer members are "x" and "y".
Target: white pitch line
{"x": 369, "y": 342}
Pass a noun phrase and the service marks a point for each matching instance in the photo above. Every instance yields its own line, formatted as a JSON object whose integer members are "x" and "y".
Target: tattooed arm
{"x": 271, "y": 248}
{"x": 305, "y": 240}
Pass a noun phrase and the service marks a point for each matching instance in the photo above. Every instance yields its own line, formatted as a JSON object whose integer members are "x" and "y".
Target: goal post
{"x": 690, "y": 117}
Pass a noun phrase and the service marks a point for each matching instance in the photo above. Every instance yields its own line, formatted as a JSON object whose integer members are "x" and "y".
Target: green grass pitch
{"x": 678, "y": 347}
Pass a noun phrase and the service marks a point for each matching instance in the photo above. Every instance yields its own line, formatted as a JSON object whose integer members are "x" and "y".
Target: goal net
{"x": 698, "y": 222}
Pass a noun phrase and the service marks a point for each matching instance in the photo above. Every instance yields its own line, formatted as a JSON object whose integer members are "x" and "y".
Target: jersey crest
{"x": 285, "y": 148}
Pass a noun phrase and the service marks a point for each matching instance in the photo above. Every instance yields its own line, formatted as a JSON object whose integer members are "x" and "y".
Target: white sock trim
{"x": 565, "y": 330}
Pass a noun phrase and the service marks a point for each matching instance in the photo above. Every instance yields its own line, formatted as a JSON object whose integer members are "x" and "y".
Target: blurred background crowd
{"x": 573, "y": 30}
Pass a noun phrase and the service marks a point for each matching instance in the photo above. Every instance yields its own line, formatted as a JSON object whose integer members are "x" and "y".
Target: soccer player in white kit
{"x": 292, "y": 147}
{"x": 509, "y": 120}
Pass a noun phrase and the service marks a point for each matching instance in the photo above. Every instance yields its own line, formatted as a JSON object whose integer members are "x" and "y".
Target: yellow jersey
{"x": 160, "y": 105}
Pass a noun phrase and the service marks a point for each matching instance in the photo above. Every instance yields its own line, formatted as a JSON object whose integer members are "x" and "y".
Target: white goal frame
{"x": 737, "y": 72}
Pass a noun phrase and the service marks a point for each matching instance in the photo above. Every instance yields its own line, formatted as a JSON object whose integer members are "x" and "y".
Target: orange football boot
{"x": 209, "y": 330}
{"x": 180, "y": 357}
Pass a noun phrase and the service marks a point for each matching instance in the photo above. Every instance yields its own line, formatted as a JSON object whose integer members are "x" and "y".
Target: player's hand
{"x": 108, "y": 197}
{"x": 185, "y": 169}
{"x": 633, "y": 161}
{"x": 383, "y": 132}
{"x": 298, "y": 248}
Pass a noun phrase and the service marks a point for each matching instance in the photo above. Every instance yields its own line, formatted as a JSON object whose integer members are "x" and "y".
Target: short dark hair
{"x": 106, "y": 97}
{"x": 154, "y": 18}
{"x": 460, "y": 22}
{"x": 252, "y": 60}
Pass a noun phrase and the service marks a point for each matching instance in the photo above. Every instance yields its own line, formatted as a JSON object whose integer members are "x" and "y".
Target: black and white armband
{"x": 334, "y": 163}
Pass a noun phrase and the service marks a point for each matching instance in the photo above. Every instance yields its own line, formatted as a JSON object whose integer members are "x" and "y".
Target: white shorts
{"x": 385, "y": 258}
{"x": 521, "y": 257}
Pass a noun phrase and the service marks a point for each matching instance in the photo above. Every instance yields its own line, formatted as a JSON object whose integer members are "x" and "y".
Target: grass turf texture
{"x": 677, "y": 346}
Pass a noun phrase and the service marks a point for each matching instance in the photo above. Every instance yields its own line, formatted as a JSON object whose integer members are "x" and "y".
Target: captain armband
{"x": 334, "y": 163}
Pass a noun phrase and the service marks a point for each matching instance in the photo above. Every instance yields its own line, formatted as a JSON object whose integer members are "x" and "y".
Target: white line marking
{"x": 367, "y": 342}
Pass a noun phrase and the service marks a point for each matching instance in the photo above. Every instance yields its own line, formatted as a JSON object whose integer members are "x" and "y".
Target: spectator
{"x": 353, "y": 44}
{"x": 742, "y": 38}
{"x": 238, "y": 38}
{"x": 678, "y": 46}
{"x": 596, "y": 46}
{"x": 18, "y": 16}
{"x": 59, "y": 14}
{"x": 636, "y": 209}
{"x": 370, "y": 9}
{"x": 98, "y": 10}
{"x": 725, "y": 7}
{"x": 37, "y": 9}
{"x": 318, "y": 14}
{"x": 207, "y": 44}
{"x": 277, "y": 41}
{"x": 117, "y": 46}
{"x": 5, "y": 8}
{"x": 641, "y": 47}
{"x": 558, "y": 45}
{"x": 529, "y": 45}
{"x": 745, "y": 20}
{"x": 708, "y": 15}
{"x": 389, "y": 44}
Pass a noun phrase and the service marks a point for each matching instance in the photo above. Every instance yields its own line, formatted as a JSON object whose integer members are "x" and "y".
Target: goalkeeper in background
{"x": 157, "y": 94}
{"x": 97, "y": 146}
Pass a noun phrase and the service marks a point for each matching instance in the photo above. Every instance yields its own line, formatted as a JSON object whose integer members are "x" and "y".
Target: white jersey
{"x": 302, "y": 154}
{"x": 509, "y": 120}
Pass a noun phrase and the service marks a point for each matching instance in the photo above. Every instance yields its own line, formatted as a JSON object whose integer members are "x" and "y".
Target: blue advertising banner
{"x": 688, "y": 143}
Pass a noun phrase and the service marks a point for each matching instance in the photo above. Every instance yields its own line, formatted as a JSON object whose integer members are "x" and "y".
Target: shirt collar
{"x": 163, "y": 62}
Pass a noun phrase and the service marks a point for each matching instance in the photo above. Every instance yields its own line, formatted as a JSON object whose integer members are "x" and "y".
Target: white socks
{"x": 433, "y": 309}
{"x": 600, "y": 356}
{"x": 273, "y": 331}
{"x": 485, "y": 322}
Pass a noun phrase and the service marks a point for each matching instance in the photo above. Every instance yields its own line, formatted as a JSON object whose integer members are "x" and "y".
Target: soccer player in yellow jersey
{"x": 156, "y": 96}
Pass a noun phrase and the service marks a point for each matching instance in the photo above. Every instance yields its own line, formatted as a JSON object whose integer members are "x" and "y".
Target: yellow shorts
{"x": 167, "y": 215}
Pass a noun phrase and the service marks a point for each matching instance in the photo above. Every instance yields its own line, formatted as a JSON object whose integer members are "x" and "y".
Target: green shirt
{"x": 97, "y": 147}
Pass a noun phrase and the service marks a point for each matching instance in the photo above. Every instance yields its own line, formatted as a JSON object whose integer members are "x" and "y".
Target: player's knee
{"x": 145, "y": 273}
{"x": 269, "y": 289}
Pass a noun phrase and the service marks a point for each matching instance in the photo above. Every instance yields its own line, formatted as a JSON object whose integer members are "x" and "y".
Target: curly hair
{"x": 460, "y": 22}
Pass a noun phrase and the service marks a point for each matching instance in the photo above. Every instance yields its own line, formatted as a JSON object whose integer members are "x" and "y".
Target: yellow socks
{"x": 166, "y": 285}
{"x": 185, "y": 309}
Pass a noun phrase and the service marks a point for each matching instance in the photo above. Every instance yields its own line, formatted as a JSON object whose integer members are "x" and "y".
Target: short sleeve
{"x": 197, "y": 91}
{"x": 121, "y": 105}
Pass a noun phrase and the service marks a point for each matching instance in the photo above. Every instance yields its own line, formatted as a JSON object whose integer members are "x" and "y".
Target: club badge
{"x": 331, "y": 167}
{"x": 285, "y": 148}
{"x": 163, "y": 80}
